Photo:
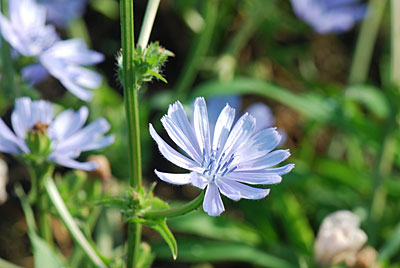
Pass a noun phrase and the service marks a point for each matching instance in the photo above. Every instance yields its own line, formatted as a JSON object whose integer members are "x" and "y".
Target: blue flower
{"x": 226, "y": 161}
{"x": 25, "y": 29}
{"x": 329, "y": 16}
{"x": 68, "y": 138}
{"x": 27, "y": 32}
{"x": 61, "y": 12}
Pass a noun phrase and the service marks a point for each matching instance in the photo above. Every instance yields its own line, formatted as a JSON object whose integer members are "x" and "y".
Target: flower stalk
{"x": 366, "y": 41}
{"x": 395, "y": 35}
{"x": 69, "y": 222}
{"x": 132, "y": 115}
{"x": 177, "y": 211}
{"x": 148, "y": 22}
{"x": 39, "y": 173}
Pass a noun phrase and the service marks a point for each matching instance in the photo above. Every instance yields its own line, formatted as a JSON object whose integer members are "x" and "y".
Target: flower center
{"x": 39, "y": 127}
{"x": 215, "y": 167}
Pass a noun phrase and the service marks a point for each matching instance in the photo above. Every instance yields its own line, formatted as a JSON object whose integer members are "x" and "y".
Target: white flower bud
{"x": 339, "y": 239}
{"x": 3, "y": 181}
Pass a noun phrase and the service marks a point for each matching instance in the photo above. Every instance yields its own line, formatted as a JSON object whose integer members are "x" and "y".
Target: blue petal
{"x": 179, "y": 117}
{"x": 84, "y": 137}
{"x": 254, "y": 177}
{"x": 9, "y": 143}
{"x": 68, "y": 122}
{"x": 222, "y": 127}
{"x": 172, "y": 155}
{"x": 201, "y": 125}
{"x": 21, "y": 116}
{"x": 212, "y": 203}
{"x": 174, "y": 178}
{"x": 198, "y": 181}
{"x": 263, "y": 115}
{"x": 179, "y": 137}
{"x": 71, "y": 163}
{"x": 34, "y": 73}
{"x": 236, "y": 190}
{"x": 239, "y": 135}
{"x": 258, "y": 145}
{"x": 266, "y": 161}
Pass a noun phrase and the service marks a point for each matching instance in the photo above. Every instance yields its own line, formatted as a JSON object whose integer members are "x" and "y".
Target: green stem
{"x": 70, "y": 224}
{"x": 198, "y": 50}
{"x": 132, "y": 115}
{"x": 42, "y": 203}
{"x": 366, "y": 41}
{"x": 395, "y": 26}
{"x": 44, "y": 219}
{"x": 9, "y": 86}
{"x": 177, "y": 211}
{"x": 148, "y": 22}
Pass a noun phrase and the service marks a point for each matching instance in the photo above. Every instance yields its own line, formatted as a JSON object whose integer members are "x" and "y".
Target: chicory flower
{"x": 329, "y": 16}
{"x": 65, "y": 133}
{"x": 226, "y": 161}
{"x": 27, "y": 32}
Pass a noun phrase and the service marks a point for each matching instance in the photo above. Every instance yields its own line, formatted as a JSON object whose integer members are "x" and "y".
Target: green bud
{"x": 38, "y": 142}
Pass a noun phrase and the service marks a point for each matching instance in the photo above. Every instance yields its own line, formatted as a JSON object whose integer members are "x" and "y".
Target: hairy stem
{"x": 132, "y": 115}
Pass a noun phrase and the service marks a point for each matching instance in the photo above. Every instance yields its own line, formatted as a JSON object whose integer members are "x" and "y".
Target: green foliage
{"x": 136, "y": 203}
{"x": 147, "y": 63}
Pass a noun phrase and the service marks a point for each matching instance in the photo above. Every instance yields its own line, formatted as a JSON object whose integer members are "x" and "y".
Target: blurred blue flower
{"x": 27, "y": 32}
{"x": 226, "y": 160}
{"x": 61, "y": 12}
{"x": 68, "y": 138}
{"x": 329, "y": 16}
{"x": 260, "y": 111}
{"x": 25, "y": 29}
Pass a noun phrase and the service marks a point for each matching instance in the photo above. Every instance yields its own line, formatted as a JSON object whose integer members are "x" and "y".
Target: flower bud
{"x": 38, "y": 142}
{"x": 339, "y": 239}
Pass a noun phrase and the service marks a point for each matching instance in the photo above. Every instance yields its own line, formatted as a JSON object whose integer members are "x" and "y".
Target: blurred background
{"x": 339, "y": 121}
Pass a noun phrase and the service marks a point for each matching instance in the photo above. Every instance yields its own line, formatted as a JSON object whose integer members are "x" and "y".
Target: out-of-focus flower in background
{"x": 225, "y": 161}
{"x": 64, "y": 61}
{"x": 339, "y": 239}
{"x": 60, "y": 139}
{"x": 329, "y": 16}
{"x": 28, "y": 34}
{"x": 3, "y": 181}
{"x": 62, "y": 12}
{"x": 26, "y": 28}
{"x": 260, "y": 111}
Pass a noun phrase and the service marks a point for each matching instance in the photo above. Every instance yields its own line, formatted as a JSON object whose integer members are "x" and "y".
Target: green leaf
{"x": 296, "y": 224}
{"x": 312, "y": 106}
{"x": 391, "y": 247}
{"x": 44, "y": 256}
{"x": 157, "y": 75}
{"x": 162, "y": 228}
{"x": 373, "y": 99}
{"x": 211, "y": 251}
{"x": 219, "y": 228}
